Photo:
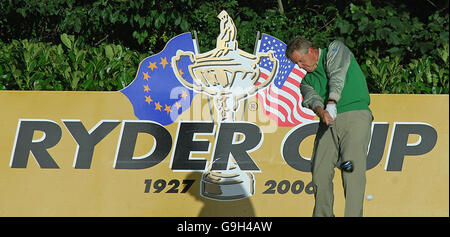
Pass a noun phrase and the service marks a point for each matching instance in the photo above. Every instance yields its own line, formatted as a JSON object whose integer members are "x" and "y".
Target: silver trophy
{"x": 228, "y": 75}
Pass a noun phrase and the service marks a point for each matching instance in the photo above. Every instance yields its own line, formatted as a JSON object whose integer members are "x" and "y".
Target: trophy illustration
{"x": 228, "y": 75}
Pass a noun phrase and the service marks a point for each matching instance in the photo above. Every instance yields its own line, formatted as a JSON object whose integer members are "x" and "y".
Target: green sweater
{"x": 339, "y": 77}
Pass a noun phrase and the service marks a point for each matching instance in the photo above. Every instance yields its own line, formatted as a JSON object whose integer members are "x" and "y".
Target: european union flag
{"x": 156, "y": 94}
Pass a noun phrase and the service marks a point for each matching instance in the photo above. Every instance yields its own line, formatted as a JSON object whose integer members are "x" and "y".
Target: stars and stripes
{"x": 281, "y": 100}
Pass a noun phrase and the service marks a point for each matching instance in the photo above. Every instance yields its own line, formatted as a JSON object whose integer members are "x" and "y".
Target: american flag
{"x": 281, "y": 100}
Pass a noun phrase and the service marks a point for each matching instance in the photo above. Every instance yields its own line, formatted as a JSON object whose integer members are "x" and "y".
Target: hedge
{"x": 98, "y": 44}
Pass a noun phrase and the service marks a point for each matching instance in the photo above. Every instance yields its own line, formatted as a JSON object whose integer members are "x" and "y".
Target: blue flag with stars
{"x": 156, "y": 94}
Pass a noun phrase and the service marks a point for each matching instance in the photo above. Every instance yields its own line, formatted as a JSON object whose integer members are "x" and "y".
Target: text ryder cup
{"x": 185, "y": 144}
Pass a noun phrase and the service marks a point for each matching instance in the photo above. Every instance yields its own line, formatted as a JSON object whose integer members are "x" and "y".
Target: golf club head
{"x": 347, "y": 166}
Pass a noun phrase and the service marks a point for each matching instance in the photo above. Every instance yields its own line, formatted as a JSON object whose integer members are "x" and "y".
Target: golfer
{"x": 336, "y": 90}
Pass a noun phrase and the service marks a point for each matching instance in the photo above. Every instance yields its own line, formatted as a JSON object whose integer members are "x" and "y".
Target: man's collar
{"x": 320, "y": 51}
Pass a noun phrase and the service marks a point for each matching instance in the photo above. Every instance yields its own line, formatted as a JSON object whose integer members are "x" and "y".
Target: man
{"x": 336, "y": 90}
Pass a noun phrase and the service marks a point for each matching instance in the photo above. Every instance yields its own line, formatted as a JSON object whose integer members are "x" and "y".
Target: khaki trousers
{"x": 348, "y": 139}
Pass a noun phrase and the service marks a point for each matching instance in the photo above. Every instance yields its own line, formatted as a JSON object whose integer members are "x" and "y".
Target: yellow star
{"x": 152, "y": 66}
{"x": 178, "y": 105}
{"x": 181, "y": 72}
{"x": 184, "y": 94}
{"x": 164, "y": 62}
{"x": 146, "y": 88}
{"x": 146, "y": 76}
{"x": 167, "y": 109}
{"x": 158, "y": 106}
{"x": 148, "y": 99}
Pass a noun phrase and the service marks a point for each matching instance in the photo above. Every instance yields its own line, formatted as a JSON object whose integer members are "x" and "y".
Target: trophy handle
{"x": 191, "y": 86}
{"x": 272, "y": 73}
{"x": 175, "y": 59}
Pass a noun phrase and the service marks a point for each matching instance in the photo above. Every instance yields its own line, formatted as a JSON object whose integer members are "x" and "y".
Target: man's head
{"x": 303, "y": 53}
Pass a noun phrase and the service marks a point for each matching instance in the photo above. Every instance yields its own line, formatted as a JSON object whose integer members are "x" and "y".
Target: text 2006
{"x": 285, "y": 186}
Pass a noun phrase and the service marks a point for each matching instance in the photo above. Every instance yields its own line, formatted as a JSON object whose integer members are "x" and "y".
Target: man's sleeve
{"x": 310, "y": 97}
{"x": 338, "y": 61}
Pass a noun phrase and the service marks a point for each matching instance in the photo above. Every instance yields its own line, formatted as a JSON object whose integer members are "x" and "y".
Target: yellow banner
{"x": 87, "y": 154}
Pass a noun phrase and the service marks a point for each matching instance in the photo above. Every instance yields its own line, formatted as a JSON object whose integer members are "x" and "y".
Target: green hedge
{"x": 98, "y": 44}
{"x": 71, "y": 65}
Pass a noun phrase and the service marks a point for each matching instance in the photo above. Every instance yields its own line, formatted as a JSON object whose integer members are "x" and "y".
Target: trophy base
{"x": 228, "y": 185}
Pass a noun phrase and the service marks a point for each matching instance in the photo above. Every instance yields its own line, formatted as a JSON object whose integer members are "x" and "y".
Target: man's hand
{"x": 324, "y": 116}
